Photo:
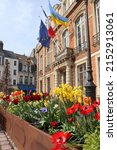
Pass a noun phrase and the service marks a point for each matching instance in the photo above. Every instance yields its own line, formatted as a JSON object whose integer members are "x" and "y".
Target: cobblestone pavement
{"x": 5, "y": 141}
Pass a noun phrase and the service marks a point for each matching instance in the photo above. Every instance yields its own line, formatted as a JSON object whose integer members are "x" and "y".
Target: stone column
{"x": 56, "y": 78}
{"x": 68, "y": 74}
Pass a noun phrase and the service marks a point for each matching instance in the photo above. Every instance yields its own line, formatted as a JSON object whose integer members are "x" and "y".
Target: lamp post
{"x": 90, "y": 86}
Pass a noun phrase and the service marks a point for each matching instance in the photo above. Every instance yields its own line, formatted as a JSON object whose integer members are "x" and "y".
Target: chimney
{"x": 1, "y": 45}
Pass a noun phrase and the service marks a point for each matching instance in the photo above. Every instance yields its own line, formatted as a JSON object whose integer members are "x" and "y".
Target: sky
{"x": 19, "y": 23}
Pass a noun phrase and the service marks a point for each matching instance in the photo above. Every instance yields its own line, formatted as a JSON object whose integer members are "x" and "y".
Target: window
{"x": 41, "y": 86}
{"x": 48, "y": 84}
{"x": 15, "y": 63}
{"x": 31, "y": 80}
{"x": 55, "y": 47}
{"x": 64, "y": 6}
{"x": 21, "y": 79}
{"x": 99, "y": 70}
{"x": 81, "y": 72}
{"x": 0, "y": 60}
{"x": 97, "y": 15}
{"x": 41, "y": 62}
{"x": 80, "y": 33}
{"x": 26, "y": 80}
{"x": 24, "y": 67}
{"x": 48, "y": 57}
{"x": 14, "y": 82}
{"x": 14, "y": 72}
{"x": 65, "y": 39}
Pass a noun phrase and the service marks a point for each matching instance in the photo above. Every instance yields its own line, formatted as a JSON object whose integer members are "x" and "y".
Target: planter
{"x": 24, "y": 135}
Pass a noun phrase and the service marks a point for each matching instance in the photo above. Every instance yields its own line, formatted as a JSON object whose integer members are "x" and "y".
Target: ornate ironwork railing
{"x": 81, "y": 47}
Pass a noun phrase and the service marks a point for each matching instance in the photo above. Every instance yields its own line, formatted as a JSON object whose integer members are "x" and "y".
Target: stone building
{"x": 66, "y": 59}
{"x": 22, "y": 70}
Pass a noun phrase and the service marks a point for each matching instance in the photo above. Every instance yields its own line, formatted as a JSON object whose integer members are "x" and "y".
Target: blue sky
{"x": 19, "y": 23}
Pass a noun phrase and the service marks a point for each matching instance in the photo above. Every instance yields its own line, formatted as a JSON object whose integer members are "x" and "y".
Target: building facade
{"x": 66, "y": 59}
{"x": 16, "y": 71}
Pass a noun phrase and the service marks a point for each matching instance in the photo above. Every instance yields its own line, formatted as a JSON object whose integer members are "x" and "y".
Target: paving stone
{"x": 5, "y": 141}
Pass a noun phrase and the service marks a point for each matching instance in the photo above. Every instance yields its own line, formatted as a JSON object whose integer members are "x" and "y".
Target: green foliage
{"x": 92, "y": 140}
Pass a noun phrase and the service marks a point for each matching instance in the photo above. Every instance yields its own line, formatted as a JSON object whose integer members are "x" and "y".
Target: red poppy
{"x": 97, "y": 116}
{"x": 54, "y": 124}
{"x": 86, "y": 110}
{"x": 71, "y": 110}
{"x": 96, "y": 103}
{"x": 16, "y": 101}
{"x": 70, "y": 120}
{"x": 60, "y": 137}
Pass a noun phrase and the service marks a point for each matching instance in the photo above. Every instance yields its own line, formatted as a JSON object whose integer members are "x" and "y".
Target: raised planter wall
{"x": 25, "y": 136}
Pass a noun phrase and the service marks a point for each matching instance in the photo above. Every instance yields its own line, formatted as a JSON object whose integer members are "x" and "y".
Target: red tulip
{"x": 96, "y": 103}
{"x": 97, "y": 116}
{"x": 60, "y": 138}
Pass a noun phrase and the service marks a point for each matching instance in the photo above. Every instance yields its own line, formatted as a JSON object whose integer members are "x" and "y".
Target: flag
{"x": 57, "y": 19}
{"x": 51, "y": 32}
{"x": 44, "y": 39}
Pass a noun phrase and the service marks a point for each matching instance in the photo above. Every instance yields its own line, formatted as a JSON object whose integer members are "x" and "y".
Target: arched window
{"x": 80, "y": 33}
{"x": 65, "y": 38}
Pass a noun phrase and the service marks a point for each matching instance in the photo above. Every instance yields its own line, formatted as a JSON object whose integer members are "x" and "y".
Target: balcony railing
{"x": 96, "y": 39}
{"x": 81, "y": 47}
{"x": 63, "y": 55}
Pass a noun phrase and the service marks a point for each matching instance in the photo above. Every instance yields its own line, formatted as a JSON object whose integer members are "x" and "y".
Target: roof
{"x": 22, "y": 58}
{"x": 9, "y": 54}
{"x": 1, "y": 53}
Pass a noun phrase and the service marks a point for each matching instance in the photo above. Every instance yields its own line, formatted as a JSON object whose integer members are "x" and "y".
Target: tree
{"x": 6, "y": 80}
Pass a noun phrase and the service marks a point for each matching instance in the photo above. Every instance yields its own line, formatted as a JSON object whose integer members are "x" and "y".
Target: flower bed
{"x": 67, "y": 116}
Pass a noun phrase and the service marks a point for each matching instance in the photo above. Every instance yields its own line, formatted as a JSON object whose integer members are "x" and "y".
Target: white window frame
{"x": 97, "y": 15}
{"x": 84, "y": 76}
{"x": 80, "y": 23}
{"x": 65, "y": 37}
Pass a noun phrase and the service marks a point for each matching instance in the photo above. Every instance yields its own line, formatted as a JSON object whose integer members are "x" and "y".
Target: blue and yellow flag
{"x": 57, "y": 19}
{"x": 44, "y": 38}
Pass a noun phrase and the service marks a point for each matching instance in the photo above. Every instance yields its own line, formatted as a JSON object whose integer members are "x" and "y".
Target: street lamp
{"x": 90, "y": 86}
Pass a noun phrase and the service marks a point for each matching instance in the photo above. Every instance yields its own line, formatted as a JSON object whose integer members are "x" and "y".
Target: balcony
{"x": 81, "y": 47}
{"x": 63, "y": 55}
{"x": 96, "y": 39}
{"x": 47, "y": 68}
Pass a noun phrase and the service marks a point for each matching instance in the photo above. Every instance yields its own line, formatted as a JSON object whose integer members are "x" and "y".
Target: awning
{"x": 25, "y": 87}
